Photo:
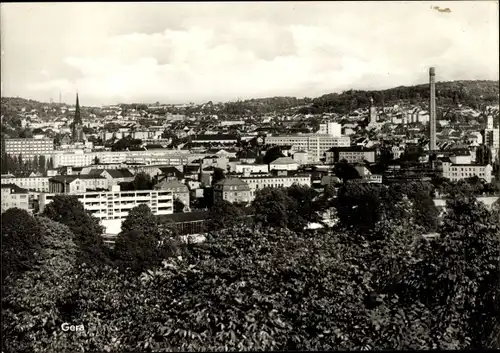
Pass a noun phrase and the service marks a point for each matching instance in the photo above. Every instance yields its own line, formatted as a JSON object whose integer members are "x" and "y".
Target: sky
{"x": 223, "y": 51}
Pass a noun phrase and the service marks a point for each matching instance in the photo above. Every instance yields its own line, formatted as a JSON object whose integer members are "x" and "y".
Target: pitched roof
{"x": 168, "y": 184}
{"x": 120, "y": 173}
{"x": 284, "y": 160}
{"x": 71, "y": 178}
{"x": 172, "y": 171}
{"x": 247, "y": 154}
{"x": 232, "y": 182}
{"x": 14, "y": 189}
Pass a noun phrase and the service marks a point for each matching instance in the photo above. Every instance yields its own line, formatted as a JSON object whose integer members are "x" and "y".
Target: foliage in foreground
{"x": 273, "y": 289}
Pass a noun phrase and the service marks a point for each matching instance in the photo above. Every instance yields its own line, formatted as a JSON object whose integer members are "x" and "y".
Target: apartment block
{"x": 115, "y": 204}
{"x": 77, "y": 183}
{"x": 232, "y": 190}
{"x": 40, "y": 184}
{"x": 316, "y": 145}
{"x": 256, "y": 182}
{"x": 28, "y": 147}
{"x": 249, "y": 168}
{"x": 150, "y": 157}
{"x": 14, "y": 197}
{"x": 354, "y": 154}
{"x": 456, "y": 172}
{"x": 178, "y": 190}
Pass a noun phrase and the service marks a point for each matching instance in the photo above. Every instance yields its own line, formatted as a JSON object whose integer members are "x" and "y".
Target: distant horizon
{"x": 235, "y": 100}
{"x": 222, "y": 51}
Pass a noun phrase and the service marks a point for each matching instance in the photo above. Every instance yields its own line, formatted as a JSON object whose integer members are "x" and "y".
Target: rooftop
{"x": 14, "y": 189}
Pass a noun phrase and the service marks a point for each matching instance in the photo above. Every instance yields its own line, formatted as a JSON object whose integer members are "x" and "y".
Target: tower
{"x": 432, "y": 109}
{"x": 489, "y": 124}
{"x": 373, "y": 112}
{"x": 77, "y": 133}
{"x": 492, "y": 137}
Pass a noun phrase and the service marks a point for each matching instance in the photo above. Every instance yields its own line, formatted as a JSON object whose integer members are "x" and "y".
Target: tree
{"x": 140, "y": 245}
{"x": 39, "y": 300}
{"x": 359, "y": 205}
{"x": 272, "y": 154}
{"x": 68, "y": 210}
{"x": 345, "y": 171}
{"x": 301, "y": 208}
{"x": 178, "y": 206}
{"x": 50, "y": 164}
{"x": 34, "y": 164}
{"x": 462, "y": 272}
{"x": 42, "y": 164}
{"x": 218, "y": 175}
{"x": 20, "y": 242}
{"x": 483, "y": 155}
{"x": 270, "y": 207}
{"x": 21, "y": 163}
{"x": 142, "y": 181}
{"x": 141, "y": 218}
{"x": 6, "y": 167}
{"x": 223, "y": 214}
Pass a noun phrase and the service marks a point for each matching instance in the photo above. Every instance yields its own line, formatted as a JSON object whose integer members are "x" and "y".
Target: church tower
{"x": 77, "y": 133}
{"x": 373, "y": 112}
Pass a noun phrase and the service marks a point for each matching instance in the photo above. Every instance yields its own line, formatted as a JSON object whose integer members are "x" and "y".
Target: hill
{"x": 470, "y": 93}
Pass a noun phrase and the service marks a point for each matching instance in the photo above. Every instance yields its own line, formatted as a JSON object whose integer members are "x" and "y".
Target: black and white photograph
{"x": 250, "y": 176}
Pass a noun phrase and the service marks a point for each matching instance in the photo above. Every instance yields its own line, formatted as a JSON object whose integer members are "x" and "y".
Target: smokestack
{"x": 432, "y": 109}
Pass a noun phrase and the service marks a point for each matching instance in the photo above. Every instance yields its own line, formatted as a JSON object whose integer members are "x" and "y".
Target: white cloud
{"x": 224, "y": 51}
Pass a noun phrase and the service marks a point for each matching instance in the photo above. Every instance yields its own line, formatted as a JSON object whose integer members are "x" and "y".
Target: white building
{"x": 162, "y": 156}
{"x": 116, "y": 204}
{"x": 34, "y": 183}
{"x": 14, "y": 197}
{"x": 302, "y": 157}
{"x": 250, "y": 168}
{"x": 284, "y": 163}
{"x": 456, "y": 172}
{"x": 492, "y": 138}
{"x": 271, "y": 181}
{"x": 316, "y": 145}
{"x": 331, "y": 129}
{"x": 28, "y": 147}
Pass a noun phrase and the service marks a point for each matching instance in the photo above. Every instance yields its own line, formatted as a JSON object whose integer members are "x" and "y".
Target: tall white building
{"x": 314, "y": 144}
{"x": 116, "y": 204}
{"x": 456, "y": 172}
{"x": 83, "y": 159}
{"x": 330, "y": 128}
{"x": 28, "y": 147}
{"x": 492, "y": 138}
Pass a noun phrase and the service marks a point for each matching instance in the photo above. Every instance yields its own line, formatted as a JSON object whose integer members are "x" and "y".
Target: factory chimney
{"x": 432, "y": 109}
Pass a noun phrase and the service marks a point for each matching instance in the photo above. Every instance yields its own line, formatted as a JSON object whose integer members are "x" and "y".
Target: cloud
{"x": 224, "y": 51}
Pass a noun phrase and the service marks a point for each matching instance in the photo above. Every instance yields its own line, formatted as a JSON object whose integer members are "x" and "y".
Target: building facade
{"x": 150, "y": 157}
{"x": 250, "y": 168}
{"x": 115, "y": 204}
{"x": 28, "y": 147}
{"x": 257, "y": 183}
{"x": 316, "y": 145}
{"x": 232, "y": 190}
{"x": 330, "y": 128}
{"x": 40, "y": 184}
{"x": 76, "y": 183}
{"x": 284, "y": 163}
{"x": 179, "y": 190}
{"x": 456, "y": 172}
{"x": 15, "y": 197}
{"x": 353, "y": 154}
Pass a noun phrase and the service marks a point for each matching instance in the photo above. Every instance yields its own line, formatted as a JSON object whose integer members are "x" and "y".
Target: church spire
{"x": 78, "y": 119}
